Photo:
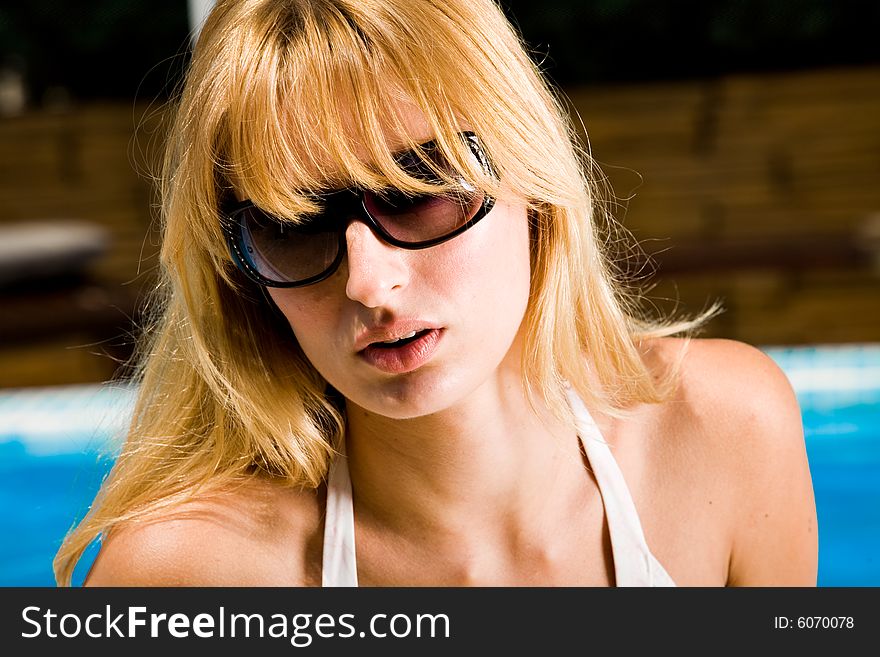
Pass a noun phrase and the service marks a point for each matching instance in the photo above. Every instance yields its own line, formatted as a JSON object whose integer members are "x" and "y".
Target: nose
{"x": 375, "y": 269}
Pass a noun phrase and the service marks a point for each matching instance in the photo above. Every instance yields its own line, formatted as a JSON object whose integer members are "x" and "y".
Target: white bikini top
{"x": 634, "y": 565}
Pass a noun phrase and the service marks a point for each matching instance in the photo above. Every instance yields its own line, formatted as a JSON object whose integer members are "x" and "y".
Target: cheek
{"x": 501, "y": 259}
{"x": 309, "y": 314}
{"x": 490, "y": 275}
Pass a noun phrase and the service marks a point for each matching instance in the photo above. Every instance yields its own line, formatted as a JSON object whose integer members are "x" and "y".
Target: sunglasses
{"x": 277, "y": 253}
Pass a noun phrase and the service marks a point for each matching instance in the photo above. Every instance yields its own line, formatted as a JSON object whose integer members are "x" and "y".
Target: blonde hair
{"x": 279, "y": 93}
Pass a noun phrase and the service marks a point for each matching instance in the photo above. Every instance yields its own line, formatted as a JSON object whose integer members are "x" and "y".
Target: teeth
{"x": 402, "y": 337}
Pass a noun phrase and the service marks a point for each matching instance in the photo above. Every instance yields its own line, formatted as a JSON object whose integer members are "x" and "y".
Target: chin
{"x": 410, "y": 396}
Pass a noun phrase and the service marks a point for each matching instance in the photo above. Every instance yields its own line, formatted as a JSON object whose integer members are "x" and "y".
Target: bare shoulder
{"x": 737, "y": 411}
{"x": 712, "y": 366}
{"x": 736, "y": 385}
{"x": 260, "y": 534}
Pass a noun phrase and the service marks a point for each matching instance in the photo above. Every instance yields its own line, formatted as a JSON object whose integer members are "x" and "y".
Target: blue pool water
{"x": 54, "y": 452}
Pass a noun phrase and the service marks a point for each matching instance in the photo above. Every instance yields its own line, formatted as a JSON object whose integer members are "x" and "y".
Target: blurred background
{"x": 741, "y": 140}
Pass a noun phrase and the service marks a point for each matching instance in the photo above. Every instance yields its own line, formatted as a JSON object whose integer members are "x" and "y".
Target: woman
{"x": 392, "y": 348}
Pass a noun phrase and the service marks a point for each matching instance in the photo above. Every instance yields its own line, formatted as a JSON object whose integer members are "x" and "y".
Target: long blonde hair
{"x": 278, "y": 93}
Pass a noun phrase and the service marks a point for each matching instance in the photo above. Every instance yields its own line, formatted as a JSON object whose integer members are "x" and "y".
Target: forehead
{"x": 318, "y": 94}
{"x": 319, "y": 143}
{"x": 402, "y": 125}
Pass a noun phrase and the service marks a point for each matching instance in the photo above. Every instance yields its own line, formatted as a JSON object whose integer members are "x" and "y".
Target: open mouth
{"x": 404, "y": 354}
{"x": 401, "y": 341}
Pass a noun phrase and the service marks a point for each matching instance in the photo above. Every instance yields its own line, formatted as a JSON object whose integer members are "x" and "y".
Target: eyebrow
{"x": 334, "y": 186}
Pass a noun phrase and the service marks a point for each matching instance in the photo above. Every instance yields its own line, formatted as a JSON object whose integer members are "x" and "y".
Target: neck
{"x": 491, "y": 463}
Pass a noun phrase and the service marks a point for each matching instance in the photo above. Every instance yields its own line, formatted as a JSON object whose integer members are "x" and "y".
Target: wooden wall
{"x": 762, "y": 191}
{"x": 90, "y": 163}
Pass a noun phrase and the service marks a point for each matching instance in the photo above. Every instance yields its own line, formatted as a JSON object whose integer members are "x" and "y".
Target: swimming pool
{"x": 51, "y": 462}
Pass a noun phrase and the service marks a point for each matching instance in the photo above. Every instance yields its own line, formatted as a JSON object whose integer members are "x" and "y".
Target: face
{"x": 464, "y": 299}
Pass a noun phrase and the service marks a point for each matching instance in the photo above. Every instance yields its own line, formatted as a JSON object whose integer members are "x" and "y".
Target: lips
{"x": 399, "y": 349}
{"x": 397, "y": 330}
{"x": 401, "y": 341}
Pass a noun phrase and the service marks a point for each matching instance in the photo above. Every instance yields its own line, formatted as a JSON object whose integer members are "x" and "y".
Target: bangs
{"x": 323, "y": 104}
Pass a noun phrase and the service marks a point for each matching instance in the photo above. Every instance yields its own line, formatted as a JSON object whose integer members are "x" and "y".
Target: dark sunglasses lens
{"x": 420, "y": 218}
{"x": 284, "y": 252}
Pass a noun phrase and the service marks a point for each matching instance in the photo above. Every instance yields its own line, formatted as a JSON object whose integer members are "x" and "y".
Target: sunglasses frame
{"x": 233, "y": 225}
